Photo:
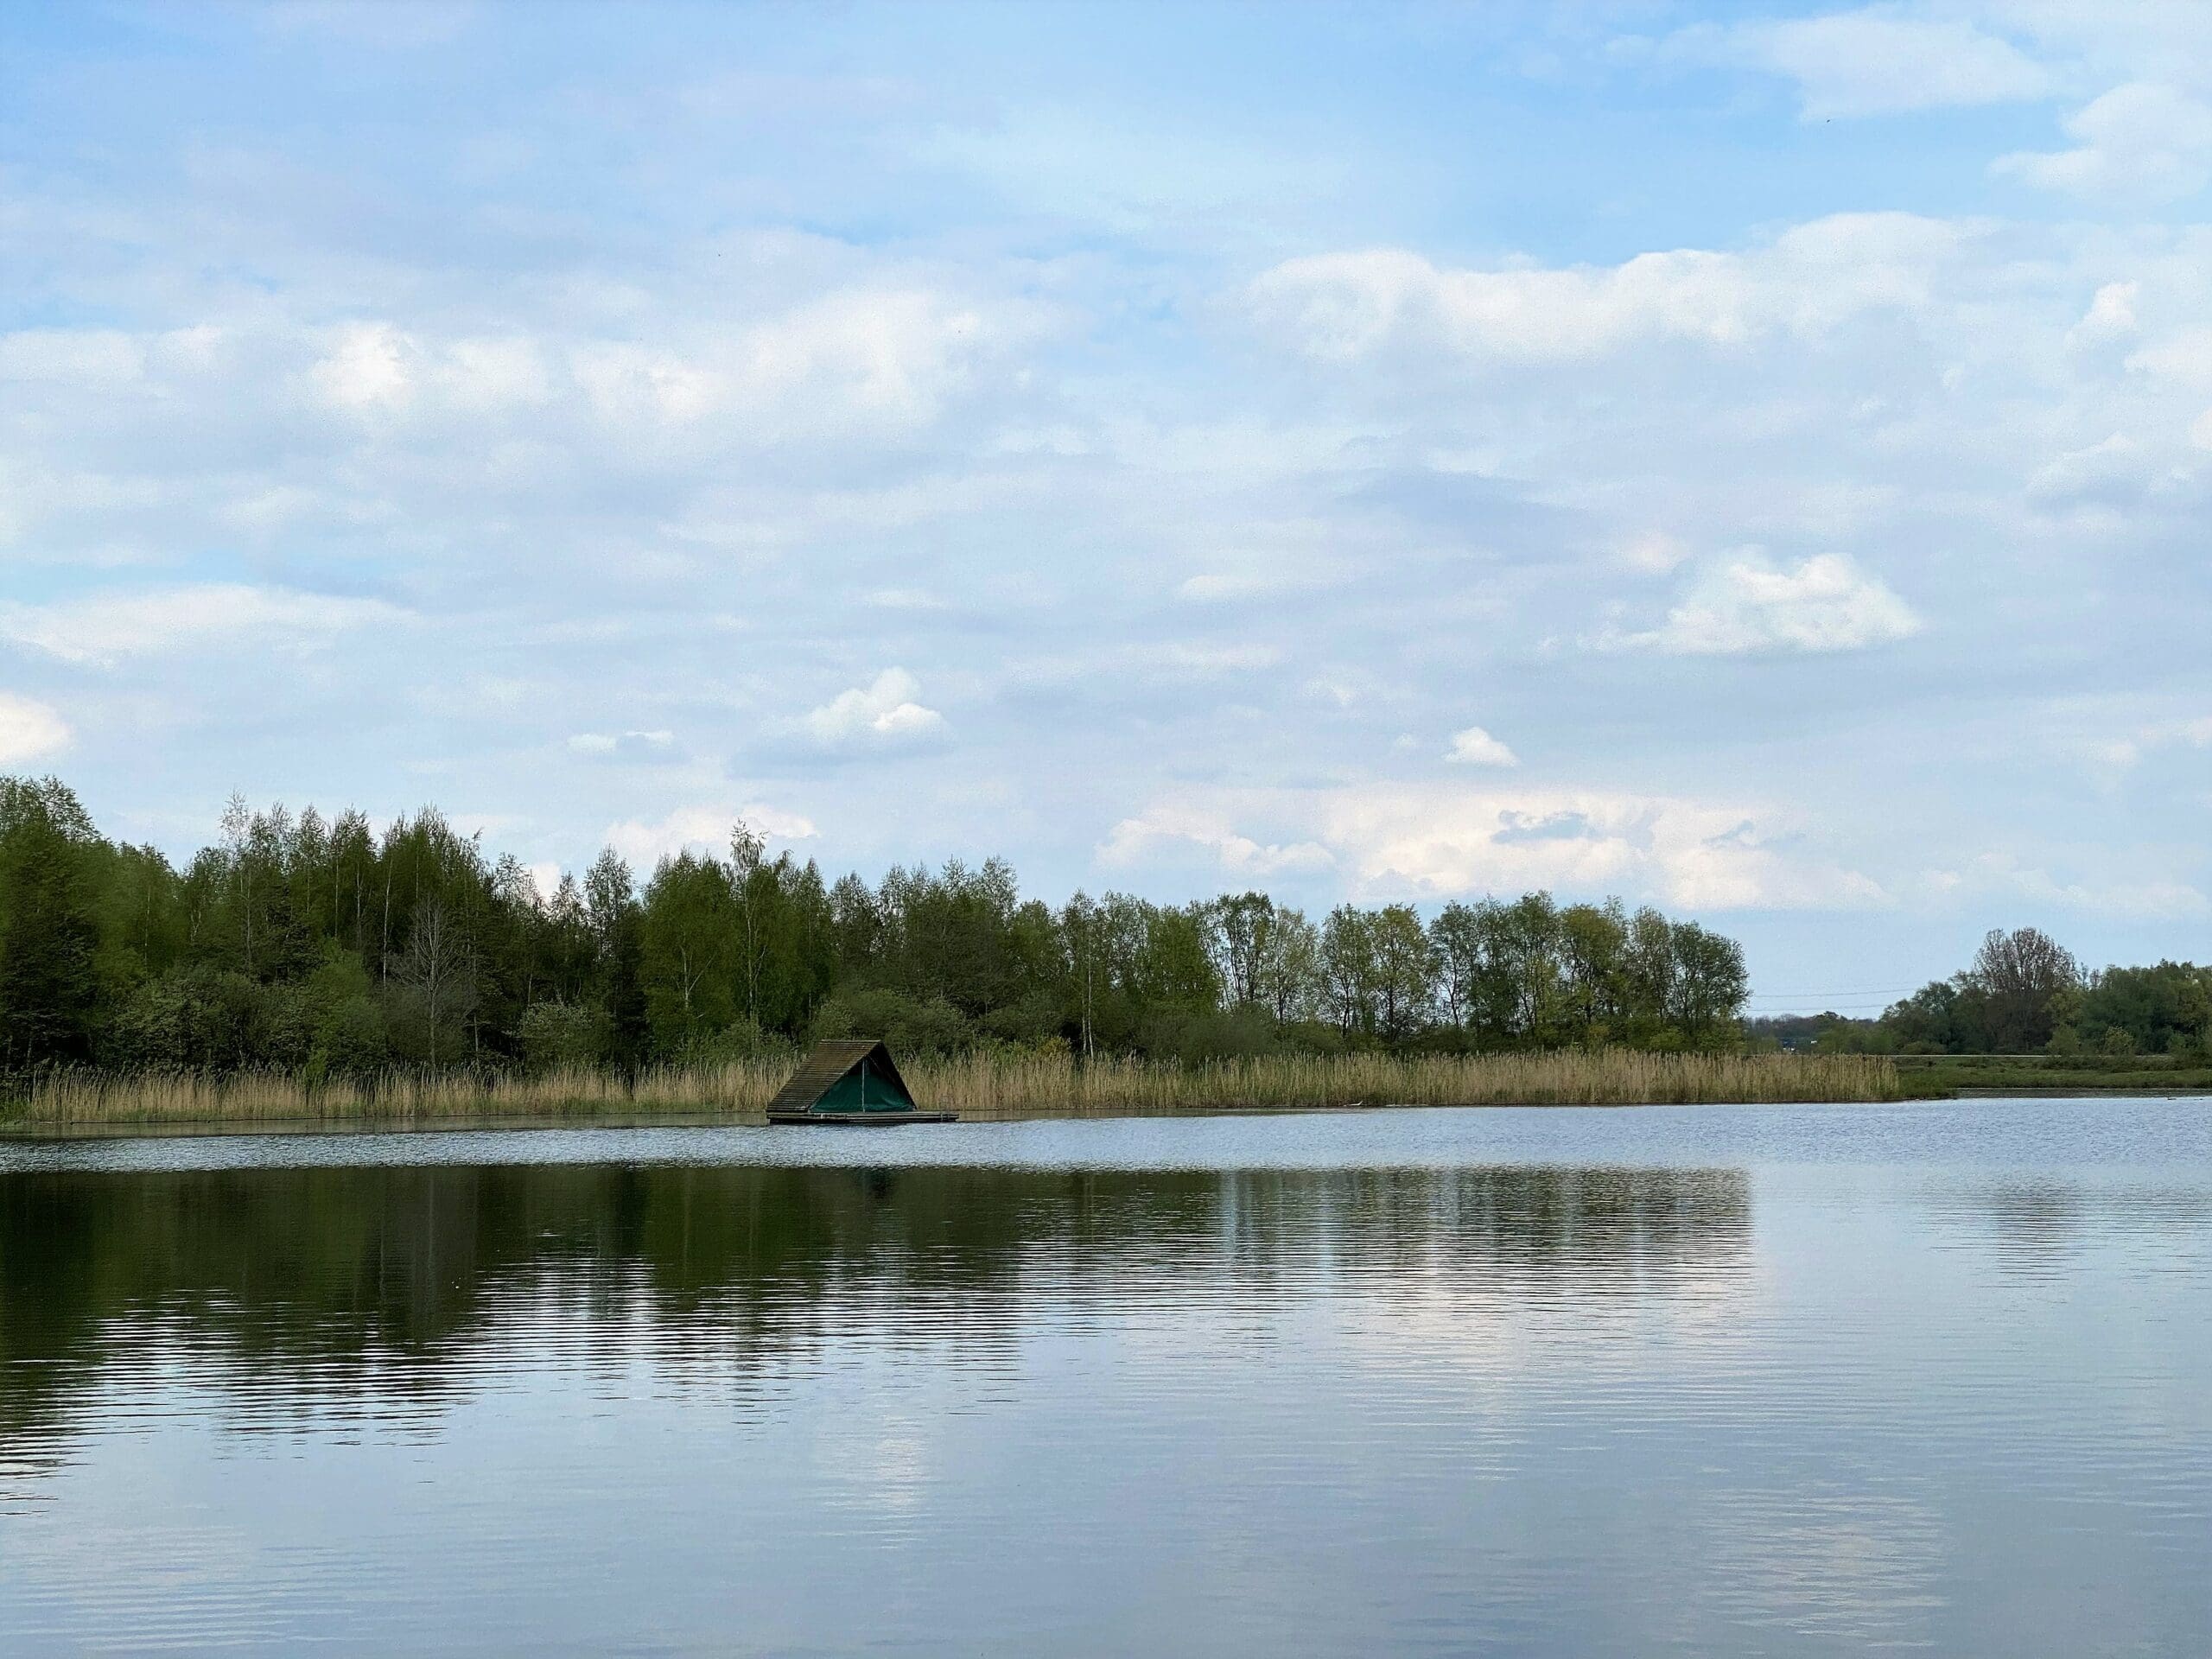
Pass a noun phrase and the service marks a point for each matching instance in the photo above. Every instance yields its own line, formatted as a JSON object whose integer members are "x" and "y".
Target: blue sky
{"x": 1751, "y": 459}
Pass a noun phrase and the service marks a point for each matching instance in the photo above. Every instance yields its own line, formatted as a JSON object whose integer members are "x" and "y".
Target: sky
{"x": 1752, "y": 460}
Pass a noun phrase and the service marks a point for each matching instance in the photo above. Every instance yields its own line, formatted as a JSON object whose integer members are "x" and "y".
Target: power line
{"x": 1825, "y": 1000}
{"x": 1842, "y": 990}
{"x": 1811, "y": 1010}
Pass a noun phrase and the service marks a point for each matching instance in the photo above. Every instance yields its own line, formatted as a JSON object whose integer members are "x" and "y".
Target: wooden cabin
{"x": 849, "y": 1081}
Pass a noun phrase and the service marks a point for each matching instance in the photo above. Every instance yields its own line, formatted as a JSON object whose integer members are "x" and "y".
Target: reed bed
{"x": 1047, "y": 1085}
{"x": 989, "y": 1087}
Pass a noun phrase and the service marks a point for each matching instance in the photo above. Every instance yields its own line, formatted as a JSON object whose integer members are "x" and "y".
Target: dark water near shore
{"x": 1713, "y": 1381}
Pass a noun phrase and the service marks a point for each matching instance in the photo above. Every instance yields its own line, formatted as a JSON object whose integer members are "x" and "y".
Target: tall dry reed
{"x": 980, "y": 1086}
{"x": 1020, "y": 1086}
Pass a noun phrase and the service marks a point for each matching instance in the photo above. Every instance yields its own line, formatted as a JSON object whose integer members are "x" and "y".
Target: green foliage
{"x": 49, "y": 934}
{"x": 199, "y": 1016}
{"x": 2165, "y": 1009}
{"x": 1032, "y": 1022}
{"x": 1241, "y": 1031}
{"x": 2082, "y": 1071}
{"x": 2024, "y": 994}
{"x": 318, "y": 946}
{"x": 555, "y": 1034}
{"x": 916, "y": 1025}
{"x": 352, "y": 1037}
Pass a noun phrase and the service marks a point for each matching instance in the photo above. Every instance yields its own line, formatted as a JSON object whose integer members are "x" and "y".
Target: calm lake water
{"x": 1713, "y": 1381}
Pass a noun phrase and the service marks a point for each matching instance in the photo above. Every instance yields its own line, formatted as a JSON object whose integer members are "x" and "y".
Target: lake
{"x": 1715, "y": 1380}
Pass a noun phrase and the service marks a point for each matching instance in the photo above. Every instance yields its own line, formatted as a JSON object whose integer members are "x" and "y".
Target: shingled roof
{"x": 829, "y": 1064}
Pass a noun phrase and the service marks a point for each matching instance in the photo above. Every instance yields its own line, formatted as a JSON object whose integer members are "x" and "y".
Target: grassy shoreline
{"x": 984, "y": 1088}
{"x": 1938, "y": 1075}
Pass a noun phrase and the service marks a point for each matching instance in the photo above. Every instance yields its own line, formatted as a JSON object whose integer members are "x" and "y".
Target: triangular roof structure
{"x": 846, "y": 1078}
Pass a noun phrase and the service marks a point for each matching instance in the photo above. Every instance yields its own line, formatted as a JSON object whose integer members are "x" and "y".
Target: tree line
{"x": 2024, "y": 993}
{"x": 325, "y": 945}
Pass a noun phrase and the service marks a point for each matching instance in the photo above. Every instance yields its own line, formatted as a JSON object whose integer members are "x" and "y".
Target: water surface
{"x": 1710, "y": 1380}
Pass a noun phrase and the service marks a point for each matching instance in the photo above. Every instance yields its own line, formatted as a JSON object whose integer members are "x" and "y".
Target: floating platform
{"x": 871, "y": 1120}
{"x": 852, "y": 1082}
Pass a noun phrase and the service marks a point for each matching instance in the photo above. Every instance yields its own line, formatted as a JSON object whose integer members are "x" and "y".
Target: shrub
{"x": 351, "y": 1037}
{"x": 908, "y": 1024}
{"x": 560, "y": 1033}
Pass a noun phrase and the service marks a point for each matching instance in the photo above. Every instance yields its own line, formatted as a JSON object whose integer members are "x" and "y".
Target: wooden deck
{"x": 863, "y": 1120}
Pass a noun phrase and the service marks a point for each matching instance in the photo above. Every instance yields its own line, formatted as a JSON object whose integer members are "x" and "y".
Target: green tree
{"x": 2162, "y": 1008}
{"x": 1348, "y": 969}
{"x": 1291, "y": 977}
{"x": 2023, "y": 975}
{"x": 434, "y": 981}
{"x": 48, "y": 930}
{"x": 1238, "y": 928}
{"x": 1458, "y": 940}
{"x": 313, "y": 942}
{"x": 1594, "y": 948}
{"x": 687, "y": 940}
{"x": 1405, "y": 971}
{"x": 1710, "y": 984}
{"x": 611, "y": 908}
{"x": 1176, "y": 974}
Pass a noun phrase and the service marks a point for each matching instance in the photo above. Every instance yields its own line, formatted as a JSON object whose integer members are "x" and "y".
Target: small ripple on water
{"x": 1406, "y": 1382}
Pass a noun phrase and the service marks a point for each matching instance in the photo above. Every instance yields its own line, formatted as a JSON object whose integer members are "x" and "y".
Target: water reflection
{"x": 1550, "y": 1383}
{"x": 2037, "y": 1225}
{"x": 386, "y": 1283}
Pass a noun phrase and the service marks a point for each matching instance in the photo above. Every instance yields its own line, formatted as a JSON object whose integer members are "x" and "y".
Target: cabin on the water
{"x": 850, "y": 1080}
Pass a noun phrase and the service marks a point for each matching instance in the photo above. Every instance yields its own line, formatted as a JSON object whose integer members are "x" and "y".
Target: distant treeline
{"x": 2026, "y": 993}
{"x": 319, "y": 945}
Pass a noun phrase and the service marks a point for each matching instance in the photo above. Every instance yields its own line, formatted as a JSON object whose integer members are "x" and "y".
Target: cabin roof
{"x": 827, "y": 1063}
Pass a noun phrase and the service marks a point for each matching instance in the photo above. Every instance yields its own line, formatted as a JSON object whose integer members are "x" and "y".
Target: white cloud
{"x": 662, "y": 465}
{"x": 2111, "y": 315}
{"x": 686, "y": 828}
{"x": 371, "y": 366}
{"x": 863, "y": 356}
{"x": 1134, "y": 840}
{"x": 2143, "y": 140}
{"x": 1259, "y": 577}
{"x": 104, "y": 628}
{"x": 1203, "y": 661}
{"x": 907, "y": 598}
{"x": 503, "y": 373}
{"x": 379, "y": 368}
{"x": 2155, "y": 898}
{"x": 879, "y": 356}
{"x": 1164, "y": 663}
{"x": 1653, "y": 552}
{"x": 1216, "y": 586}
{"x": 1746, "y": 604}
{"x": 2114, "y": 471}
{"x": 1350, "y": 687}
{"x": 778, "y": 824}
{"x": 883, "y": 712}
{"x": 28, "y": 730}
{"x": 1449, "y": 840}
{"x": 628, "y": 383}
{"x": 1476, "y": 747}
{"x": 701, "y": 829}
{"x": 73, "y": 357}
{"x": 1805, "y": 282}
{"x": 1876, "y": 61}
{"x": 626, "y": 744}
{"x": 2183, "y": 358}
{"x": 1444, "y": 841}
{"x": 2129, "y": 751}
